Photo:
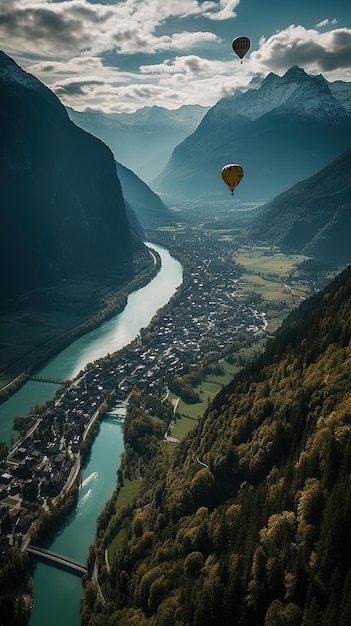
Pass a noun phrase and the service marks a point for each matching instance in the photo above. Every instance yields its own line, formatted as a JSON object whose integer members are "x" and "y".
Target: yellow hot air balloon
{"x": 241, "y": 46}
{"x": 232, "y": 175}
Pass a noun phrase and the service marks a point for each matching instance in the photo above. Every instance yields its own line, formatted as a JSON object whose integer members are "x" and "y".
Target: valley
{"x": 215, "y": 306}
{"x": 232, "y": 297}
{"x": 176, "y": 414}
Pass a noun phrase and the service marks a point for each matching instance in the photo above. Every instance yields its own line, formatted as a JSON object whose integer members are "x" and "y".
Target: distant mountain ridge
{"x": 147, "y": 205}
{"x": 62, "y": 208}
{"x": 313, "y": 217}
{"x": 284, "y": 130}
{"x": 143, "y": 141}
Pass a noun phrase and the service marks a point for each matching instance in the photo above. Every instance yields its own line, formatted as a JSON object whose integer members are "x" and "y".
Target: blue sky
{"x": 121, "y": 55}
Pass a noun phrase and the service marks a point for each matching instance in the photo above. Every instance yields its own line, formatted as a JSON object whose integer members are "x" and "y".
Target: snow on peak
{"x": 272, "y": 92}
{"x": 295, "y": 92}
{"x": 315, "y": 99}
{"x": 10, "y": 71}
{"x": 342, "y": 92}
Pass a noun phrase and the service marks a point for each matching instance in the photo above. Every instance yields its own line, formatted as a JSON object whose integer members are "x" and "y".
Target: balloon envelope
{"x": 232, "y": 175}
{"x": 241, "y": 46}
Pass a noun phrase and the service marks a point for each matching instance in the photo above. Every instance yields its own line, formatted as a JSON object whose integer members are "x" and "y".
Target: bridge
{"x": 42, "y": 379}
{"x": 57, "y": 559}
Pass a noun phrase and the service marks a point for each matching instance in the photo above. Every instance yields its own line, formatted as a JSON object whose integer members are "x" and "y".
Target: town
{"x": 207, "y": 314}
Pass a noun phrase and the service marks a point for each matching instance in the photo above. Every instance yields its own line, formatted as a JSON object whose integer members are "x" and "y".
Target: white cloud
{"x": 224, "y": 10}
{"x": 322, "y": 23}
{"x": 161, "y": 10}
{"x": 326, "y": 22}
{"x": 150, "y": 44}
{"x": 87, "y": 84}
{"x": 64, "y": 43}
{"x": 190, "y": 64}
{"x": 77, "y": 26}
{"x": 313, "y": 51}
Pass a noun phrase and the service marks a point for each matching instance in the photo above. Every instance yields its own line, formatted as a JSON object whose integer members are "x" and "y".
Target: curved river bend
{"x": 57, "y": 593}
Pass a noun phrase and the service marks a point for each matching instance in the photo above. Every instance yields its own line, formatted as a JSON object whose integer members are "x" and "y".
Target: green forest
{"x": 247, "y": 522}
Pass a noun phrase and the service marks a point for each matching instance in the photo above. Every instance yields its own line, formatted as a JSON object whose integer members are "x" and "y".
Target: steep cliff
{"x": 62, "y": 208}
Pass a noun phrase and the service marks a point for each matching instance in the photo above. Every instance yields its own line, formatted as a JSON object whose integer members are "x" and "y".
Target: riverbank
{"x": 32, "y": 335}
{"x": 78, "y": 531}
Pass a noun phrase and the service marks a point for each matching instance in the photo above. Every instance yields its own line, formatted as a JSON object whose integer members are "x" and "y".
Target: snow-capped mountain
{"x": 314, "y": 99}
{"x": 341, "y": 90}
{"x": 280, "y": 132}
{"x": 254, "y": 103}
{"x": 12, "y": 73}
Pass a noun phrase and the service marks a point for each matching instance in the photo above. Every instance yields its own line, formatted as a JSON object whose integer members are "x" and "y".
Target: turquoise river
{"x": 58, "y": 593}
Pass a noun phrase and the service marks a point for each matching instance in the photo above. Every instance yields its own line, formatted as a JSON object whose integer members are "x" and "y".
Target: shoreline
{"x": 45, "y": 351}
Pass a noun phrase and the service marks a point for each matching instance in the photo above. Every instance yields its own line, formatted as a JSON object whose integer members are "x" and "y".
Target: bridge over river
{"x": 43, "y": 379}
{"x": 58, "y": 560}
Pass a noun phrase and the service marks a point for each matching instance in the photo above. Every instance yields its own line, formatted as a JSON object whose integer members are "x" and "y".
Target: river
{"x": 57, "y": 593}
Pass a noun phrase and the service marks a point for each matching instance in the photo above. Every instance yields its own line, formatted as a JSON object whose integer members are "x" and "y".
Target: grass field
{"x": 261, "y": 260}
{"x": 268, "y": 275}
{"x": 127, "y": 493}
{"x": 184, "y": 425}
{"x": 223, "y": 379}
{"x": 115, "y": 546}
{"x": 208, "y": 388}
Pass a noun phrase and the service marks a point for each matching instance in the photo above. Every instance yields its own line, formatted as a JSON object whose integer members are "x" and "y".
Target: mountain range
{"x": 313, "y": 217}
{"x": 281, "y": 132}
{"x": 247, "y": 520}
{"x": 63, "y": 213}
{"x": 64, "y": 195}
{"x": 143, "y": 141}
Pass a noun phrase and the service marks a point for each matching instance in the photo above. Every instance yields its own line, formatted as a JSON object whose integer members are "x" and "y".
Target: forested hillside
{"x": 313, "y": 217}
{"x": 249, "y": 522}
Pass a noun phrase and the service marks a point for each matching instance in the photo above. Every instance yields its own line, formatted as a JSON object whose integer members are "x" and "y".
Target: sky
{"x": 121, "y": 55}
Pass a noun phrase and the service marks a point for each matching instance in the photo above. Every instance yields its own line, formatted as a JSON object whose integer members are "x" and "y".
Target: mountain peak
{"x": 280, "y": 132}
{"x": 10, "y": 71}
{"x": 273, "y": 91}
{"x": 295, "y": 73}
{"x": 312, "y": 98}
{"x": 60, "y": 189}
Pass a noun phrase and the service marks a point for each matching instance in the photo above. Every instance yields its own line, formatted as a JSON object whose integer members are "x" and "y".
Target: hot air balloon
{"x": 241, "y": 46}
{"x": 232, "y": 175}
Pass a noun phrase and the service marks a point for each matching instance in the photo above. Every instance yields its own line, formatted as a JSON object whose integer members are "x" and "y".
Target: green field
{"x": 268, "y": 274}
{"x": 191, "y": 413}
{"x": 127, "y": 493}
{"x": 184, "y": 425}
{"x": 229, "y": 371}
{"x": 115, "y": 546}
{"x": 261, "y": 260}
{"x": 192, "y": 410}
{"x": 208, "y": 389}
